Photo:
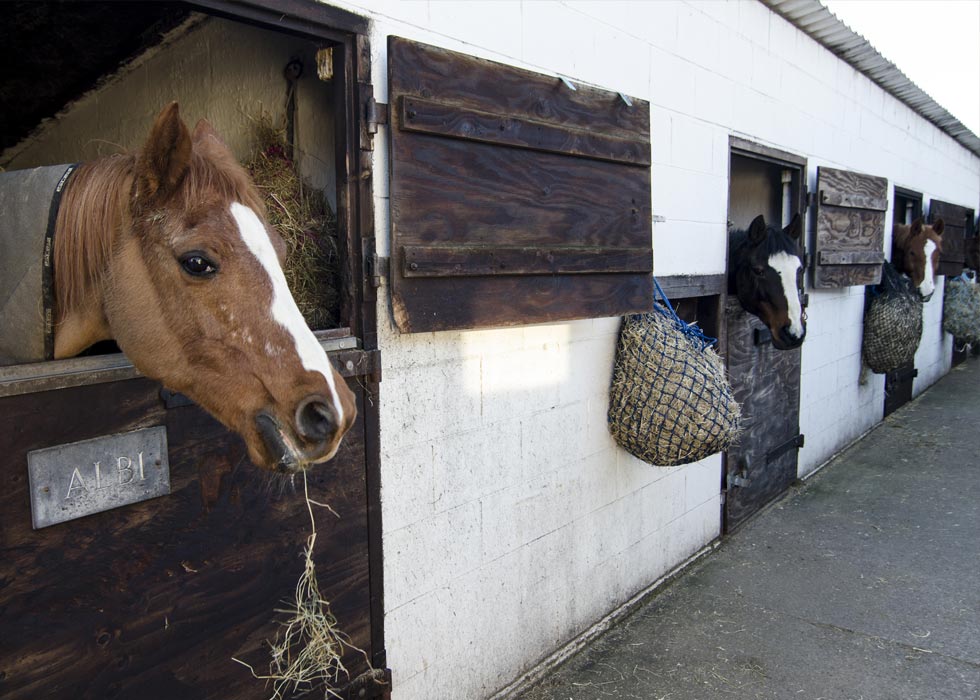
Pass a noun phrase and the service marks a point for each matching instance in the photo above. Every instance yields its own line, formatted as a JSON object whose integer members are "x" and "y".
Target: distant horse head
{"x": 766, "y": 272}
{"x": 916, "y": 250}
{"x": 168, "y": 253}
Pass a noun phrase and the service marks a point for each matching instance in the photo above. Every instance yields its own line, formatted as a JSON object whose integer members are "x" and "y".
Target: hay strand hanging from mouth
{"x": 309, "y": 647}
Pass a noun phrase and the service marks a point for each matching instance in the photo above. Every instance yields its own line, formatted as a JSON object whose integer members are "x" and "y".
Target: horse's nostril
{"x": 315, "y": 419}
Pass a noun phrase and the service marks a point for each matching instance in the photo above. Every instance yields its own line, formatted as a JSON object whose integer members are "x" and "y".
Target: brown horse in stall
{"x": 167, "y": 252}
{"x": 916, "y": 250}
{"x": 765, "y": 271}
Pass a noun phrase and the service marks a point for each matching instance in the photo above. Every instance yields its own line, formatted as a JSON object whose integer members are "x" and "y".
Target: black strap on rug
{"x": 47, "y": 268}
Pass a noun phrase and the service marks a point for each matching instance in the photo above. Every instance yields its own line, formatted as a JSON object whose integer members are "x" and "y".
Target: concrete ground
{"x": 863, "y": 584}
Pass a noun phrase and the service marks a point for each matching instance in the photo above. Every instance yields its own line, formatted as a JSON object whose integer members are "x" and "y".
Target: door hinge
{"x": 371, "y": 684}
{"x": 810, "y": 200}
{"x": 373, "y": 114}
{"x": 377, "y": 267}
{"x": 795, "y": 442}
{"x": 740, "y": 478}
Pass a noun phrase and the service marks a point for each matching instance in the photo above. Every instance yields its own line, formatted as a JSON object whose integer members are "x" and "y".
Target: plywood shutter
{"x": 850, "y": 241}
{"x": 958, "y": 228}
{"x": 514, "y": 198}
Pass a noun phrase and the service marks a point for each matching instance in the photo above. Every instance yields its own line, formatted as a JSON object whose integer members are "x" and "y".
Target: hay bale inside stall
{"x": 302, "y": 216}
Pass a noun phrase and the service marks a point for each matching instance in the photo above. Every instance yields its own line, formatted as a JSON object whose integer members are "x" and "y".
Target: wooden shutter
{"x": 958, "y": 228}
{"x": 850, "y": 241}
{"x": 514, "y": 198}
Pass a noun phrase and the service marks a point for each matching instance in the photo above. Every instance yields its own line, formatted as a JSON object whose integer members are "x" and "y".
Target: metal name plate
{"x": 91, "y": 476}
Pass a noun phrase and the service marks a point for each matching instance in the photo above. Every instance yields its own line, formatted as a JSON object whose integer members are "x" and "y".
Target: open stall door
{"x": 516, "y": 197}
{"x": 899, "y": 382}
{"x": 765, "y": 381}
{"x": 959, "y": 241}
{"x": 154, "y": 599}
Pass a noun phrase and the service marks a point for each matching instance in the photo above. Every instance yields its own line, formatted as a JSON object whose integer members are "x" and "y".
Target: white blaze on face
{"x": 284, "y": 309}
{"x": 928, "y": 285}
{"x": 787, "y": 265}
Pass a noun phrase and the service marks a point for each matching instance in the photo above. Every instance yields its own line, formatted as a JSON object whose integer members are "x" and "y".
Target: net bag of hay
{"x": 961, "y": 309}
{"x": 670, "y": 402}
{"x": 892, "y": 323}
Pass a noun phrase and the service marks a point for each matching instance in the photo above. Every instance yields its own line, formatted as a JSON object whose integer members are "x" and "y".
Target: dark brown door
{"x": 958, "y": 241}
{"x": 153, "y": 600}
{"x": 766, "y": 383}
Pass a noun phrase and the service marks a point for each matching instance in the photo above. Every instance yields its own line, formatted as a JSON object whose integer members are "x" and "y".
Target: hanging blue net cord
{"x": 670, "y": 402}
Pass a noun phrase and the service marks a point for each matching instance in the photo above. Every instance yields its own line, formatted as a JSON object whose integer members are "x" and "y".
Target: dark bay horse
{"x": 916, "y": 251}
{"x": 765, "y": 270}
{"x": 167, "y": 252}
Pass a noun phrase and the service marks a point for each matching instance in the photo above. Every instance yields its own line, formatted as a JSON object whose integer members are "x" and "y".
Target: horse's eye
{"x": 197, "y": 265}
{"x": 759, "y": 270}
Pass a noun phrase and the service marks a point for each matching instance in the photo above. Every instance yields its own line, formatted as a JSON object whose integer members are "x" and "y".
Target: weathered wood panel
{"x": 898, "y": 388}
{"x": 850, "y": 237}
{"x": 490, "y": 156}
{"x": 958, "y": 229}
{"x": 766, "y": 383}
{"x": 152, "y": 600}
{"x": 477, "y": 261}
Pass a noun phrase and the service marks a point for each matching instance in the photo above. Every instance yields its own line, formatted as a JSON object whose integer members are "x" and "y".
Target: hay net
{"x": 961, "y": 309}
{"x": 670, "y": 402}
{"x": 892, "y": 322}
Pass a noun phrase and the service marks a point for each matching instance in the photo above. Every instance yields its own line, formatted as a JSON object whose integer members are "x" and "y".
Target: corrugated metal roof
{"x": 821, "y": 24}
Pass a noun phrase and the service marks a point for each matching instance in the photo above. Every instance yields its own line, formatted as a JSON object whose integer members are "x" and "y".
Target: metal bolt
{"x": 349, "y": 365}
{"x": 412, "y": 113}
{"x": 413, "y": 266}
{"x": 46, "y": 489}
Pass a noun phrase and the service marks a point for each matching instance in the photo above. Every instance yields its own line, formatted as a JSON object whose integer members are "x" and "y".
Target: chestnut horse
{"x": 916, "y": 250}
{"x": 765, "y": 270}
{"x": 167, "y": 252}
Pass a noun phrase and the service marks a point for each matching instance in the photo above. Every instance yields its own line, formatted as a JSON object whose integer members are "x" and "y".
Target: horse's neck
{"x": 94, "y": 209}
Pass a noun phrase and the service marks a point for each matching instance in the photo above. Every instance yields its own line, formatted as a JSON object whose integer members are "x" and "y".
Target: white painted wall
{"x": 511, "y": 521}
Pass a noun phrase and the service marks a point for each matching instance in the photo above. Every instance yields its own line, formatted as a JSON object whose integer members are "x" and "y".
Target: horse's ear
{"x": 165, "y": 156}
{"x": 204, "y": 131}
{"x": 757, "y": 230}
{"x": 938, "y": 226}
{"x": 916, "y": 227}
{"x": 793, "y": 229}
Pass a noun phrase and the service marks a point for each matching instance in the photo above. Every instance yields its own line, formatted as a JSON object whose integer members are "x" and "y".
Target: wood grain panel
{"x": 449, "y": 119}
{"x": 766, "y": 383}
{"x": 958, "y": 221}
{"x": 152, "y": 600}
{"x": 486, "y": 156}
{"x": 850, "y": 234}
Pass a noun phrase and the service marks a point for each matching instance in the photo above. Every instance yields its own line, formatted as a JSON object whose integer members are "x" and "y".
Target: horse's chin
{"x": 282, "y": 453}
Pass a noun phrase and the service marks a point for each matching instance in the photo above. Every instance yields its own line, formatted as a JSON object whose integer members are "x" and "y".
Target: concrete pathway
{"x": 864, "y": 584}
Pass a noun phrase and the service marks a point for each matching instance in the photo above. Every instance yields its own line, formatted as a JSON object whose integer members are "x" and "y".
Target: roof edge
{"x": 819, "y": 23}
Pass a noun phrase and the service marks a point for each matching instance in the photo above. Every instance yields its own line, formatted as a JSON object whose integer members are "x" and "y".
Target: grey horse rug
{"x": 29, "y": 202}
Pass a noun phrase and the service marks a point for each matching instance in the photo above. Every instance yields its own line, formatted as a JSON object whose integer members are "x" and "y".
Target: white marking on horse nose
{"x": 284, "y": 309}
{"x": 787, "y": 265}
{"x": 928, "y": 285}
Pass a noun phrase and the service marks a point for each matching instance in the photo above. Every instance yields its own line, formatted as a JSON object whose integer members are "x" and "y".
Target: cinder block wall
{"x": 511, "y": 521}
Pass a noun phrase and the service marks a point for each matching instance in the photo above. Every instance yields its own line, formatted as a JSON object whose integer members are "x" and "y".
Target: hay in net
{"x": 670, "y": 402}
{"x": 961, "y": 310}
{"x": 302, "y": 216}
{"x": 309, "y": 648}
{"x": 892, "y": 323}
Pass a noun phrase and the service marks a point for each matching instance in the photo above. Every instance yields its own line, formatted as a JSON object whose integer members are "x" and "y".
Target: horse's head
{"x": 916, "y": 250}
{"x": 766, "y": 271}
{"x": 196, "y": 297}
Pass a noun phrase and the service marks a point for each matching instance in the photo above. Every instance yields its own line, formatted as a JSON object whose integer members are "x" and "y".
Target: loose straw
{"x": 309, "y": 648}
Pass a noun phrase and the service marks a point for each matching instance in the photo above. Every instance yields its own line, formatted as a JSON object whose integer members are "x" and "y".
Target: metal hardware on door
{"x": 173, "y": 399}
{"x": 740, "y": 479}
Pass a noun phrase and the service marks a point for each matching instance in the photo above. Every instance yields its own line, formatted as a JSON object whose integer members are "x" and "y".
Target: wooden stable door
{"x": 766, "y": 383}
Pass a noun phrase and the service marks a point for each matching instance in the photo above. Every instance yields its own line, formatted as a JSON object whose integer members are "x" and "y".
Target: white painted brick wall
{"x": 511, "y": 521}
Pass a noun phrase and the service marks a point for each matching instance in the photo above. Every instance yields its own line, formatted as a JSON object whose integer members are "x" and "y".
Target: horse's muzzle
{"x": 786, "y": 340}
